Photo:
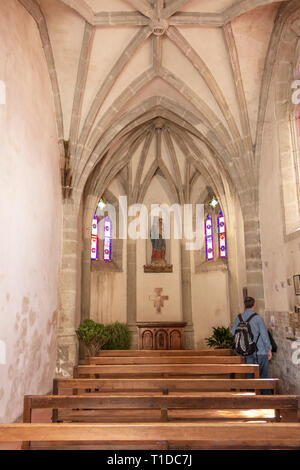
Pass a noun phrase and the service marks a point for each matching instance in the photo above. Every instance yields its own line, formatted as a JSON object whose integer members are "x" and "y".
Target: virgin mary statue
{"x": 158, "y": 244}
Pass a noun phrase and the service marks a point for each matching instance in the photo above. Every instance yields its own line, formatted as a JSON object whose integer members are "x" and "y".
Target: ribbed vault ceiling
{"x": 159, "y": 147}
{"x": 207, "y": 61}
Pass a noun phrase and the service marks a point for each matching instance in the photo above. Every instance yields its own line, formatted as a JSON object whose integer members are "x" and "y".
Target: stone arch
{"x": 150, "y": 108}
{"x": 90, "y": 204}
{"x": 286, "y": 65}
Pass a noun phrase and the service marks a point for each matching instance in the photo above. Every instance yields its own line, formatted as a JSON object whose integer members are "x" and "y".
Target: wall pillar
{"x": 69, "y": 293}
{"x": 254, "y": 273}
{"x": 186, "y": 288}
{"x": 131, "y": 292}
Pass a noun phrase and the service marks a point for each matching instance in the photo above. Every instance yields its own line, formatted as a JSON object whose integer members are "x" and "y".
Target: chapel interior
{"x": 135, "y": 103}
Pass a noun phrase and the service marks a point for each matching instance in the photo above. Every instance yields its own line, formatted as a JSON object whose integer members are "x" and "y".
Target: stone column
{"x": 186, "y": 287}
{"x": 67, "y": 344}
{"x": 86, "y": 279}
{"x": 253, "y": 250}
{"x": 131, "y": 292}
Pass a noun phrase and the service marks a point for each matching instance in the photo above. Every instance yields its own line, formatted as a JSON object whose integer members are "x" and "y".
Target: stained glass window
{"x": 94, "y": 241}
{"x": 209, "y": 238}
{"x": 107, "y": 239}
{"x": 214, "y": 202}
{"x": 222, "y": 236}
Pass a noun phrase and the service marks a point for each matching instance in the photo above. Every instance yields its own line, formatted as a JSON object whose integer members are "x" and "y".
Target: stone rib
{"x": 173, "y": 7}
{"x": 108, "y": 83}
{"x": 82, "y": 74}
{"x": 120, "y": 18}
{"x": 111, "y": 113}
{"x": 82, "y": 8}
{"x": 197, "y": 19}
{"x": 143, "y": 6}
{"x": 239, "y": 88}
{"x": 210, "y": 119}
{"x": 37, "y": 14}
{"x": 176, "y": 37}
{"x": 141, "y": 165}
{"x": 172, "y": 153}
{"x": 282, "y": 16}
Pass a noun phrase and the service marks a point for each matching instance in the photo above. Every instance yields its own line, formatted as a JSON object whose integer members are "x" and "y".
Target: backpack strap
{"x": 240, "y": 317}
{"x": 250, "y": 318}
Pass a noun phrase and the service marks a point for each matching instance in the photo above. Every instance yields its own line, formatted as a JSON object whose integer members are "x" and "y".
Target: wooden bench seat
{"x": 163, "y": 385}
{"x": 94, "y": 409}
{"x": 170, "y": 352}
{"x": 152, "y": 370}
{"x": 182, "y": 436}
{"x": 165, "y": 360}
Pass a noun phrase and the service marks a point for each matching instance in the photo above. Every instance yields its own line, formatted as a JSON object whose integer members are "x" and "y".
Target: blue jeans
{"x": 263, "y": 362}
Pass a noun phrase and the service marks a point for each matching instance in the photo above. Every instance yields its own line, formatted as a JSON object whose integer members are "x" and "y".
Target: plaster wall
{"x": 280, "y": 258}
{"x": 210, "y": 304}
{"x": 30, "y": 214}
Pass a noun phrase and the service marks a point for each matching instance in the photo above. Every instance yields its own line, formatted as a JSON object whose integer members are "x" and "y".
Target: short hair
{"x": 249, "y": 302}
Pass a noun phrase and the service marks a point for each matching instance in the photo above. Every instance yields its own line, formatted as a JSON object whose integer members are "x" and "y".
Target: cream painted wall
{"x": 158, "y": 193}
{"x": 30, "y": 214}
{"x": 210, "y": 303}
{"x": 169, "y": 282}
{"x": 108, "y": 297}
{"x": 280, "y": 257}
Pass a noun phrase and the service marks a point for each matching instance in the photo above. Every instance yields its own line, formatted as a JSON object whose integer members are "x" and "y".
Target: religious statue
{"x": 158, "y": 257}
{"x": 158, "y": 244}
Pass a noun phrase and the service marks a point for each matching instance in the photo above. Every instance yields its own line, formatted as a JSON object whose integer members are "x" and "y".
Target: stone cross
{"x": 158, "y": 299}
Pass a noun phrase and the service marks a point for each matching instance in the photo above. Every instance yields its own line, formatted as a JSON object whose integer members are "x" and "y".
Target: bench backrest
{"x": 163, "y": 385}
{"x": 169, "y": 352}
{"x": 205, "y": 401}
{"x": 167, "y": 369}
{"x": 199, "y": 435}
{"x": 166, "y": 360}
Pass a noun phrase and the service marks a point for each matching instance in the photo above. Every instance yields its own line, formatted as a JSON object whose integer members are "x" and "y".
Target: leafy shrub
{"x": 93, "y": 335}
{"x": 220, "y": 339}
{"x": 118, "y": 336}
{"x": 96, "y": 336}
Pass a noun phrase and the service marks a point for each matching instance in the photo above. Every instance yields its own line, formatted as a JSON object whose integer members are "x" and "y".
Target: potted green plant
{"x": 220, "y": 339}
{"x": 118, "y": 335}
{"x": 93, "y": 335}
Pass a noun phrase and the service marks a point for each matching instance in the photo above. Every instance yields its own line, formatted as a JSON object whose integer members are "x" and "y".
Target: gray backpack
{"x": 244, "y": 343}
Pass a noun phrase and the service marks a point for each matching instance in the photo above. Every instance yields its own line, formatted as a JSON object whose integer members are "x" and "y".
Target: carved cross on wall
{"x": 158, "y": 299}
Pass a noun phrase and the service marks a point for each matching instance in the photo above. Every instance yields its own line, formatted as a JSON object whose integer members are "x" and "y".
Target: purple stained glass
{"x": 209, "y": 241}
{"x": 222, "y": 237}
{"x": 94, "y": 239}
{"x": 107, "y": 240}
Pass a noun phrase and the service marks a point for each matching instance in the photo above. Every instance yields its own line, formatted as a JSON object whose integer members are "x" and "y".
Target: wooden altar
{"x": 161, "y": 335}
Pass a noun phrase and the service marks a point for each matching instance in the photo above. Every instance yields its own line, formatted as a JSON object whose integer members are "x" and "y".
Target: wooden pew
{"x": 169, "y": 352}
{"x": 152, "y": 370}
{"x": 165, "y": 360}
{"x": 162, "y": 385}
{"x": 159, "y": 408}
{"x": 159, "y": 435}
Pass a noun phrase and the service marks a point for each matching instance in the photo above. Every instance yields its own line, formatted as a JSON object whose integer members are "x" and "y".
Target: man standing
{"x": 260, "y": 336}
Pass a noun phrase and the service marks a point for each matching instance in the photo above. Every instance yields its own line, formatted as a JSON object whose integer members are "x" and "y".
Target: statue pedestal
{"x": 158, "y": 268}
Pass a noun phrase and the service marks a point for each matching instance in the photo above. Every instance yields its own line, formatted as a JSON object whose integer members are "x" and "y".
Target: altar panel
{"x": 161, "y": 335}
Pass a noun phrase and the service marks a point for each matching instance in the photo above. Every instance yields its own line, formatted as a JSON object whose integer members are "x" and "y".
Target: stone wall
{"x": 285, "y": 328}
